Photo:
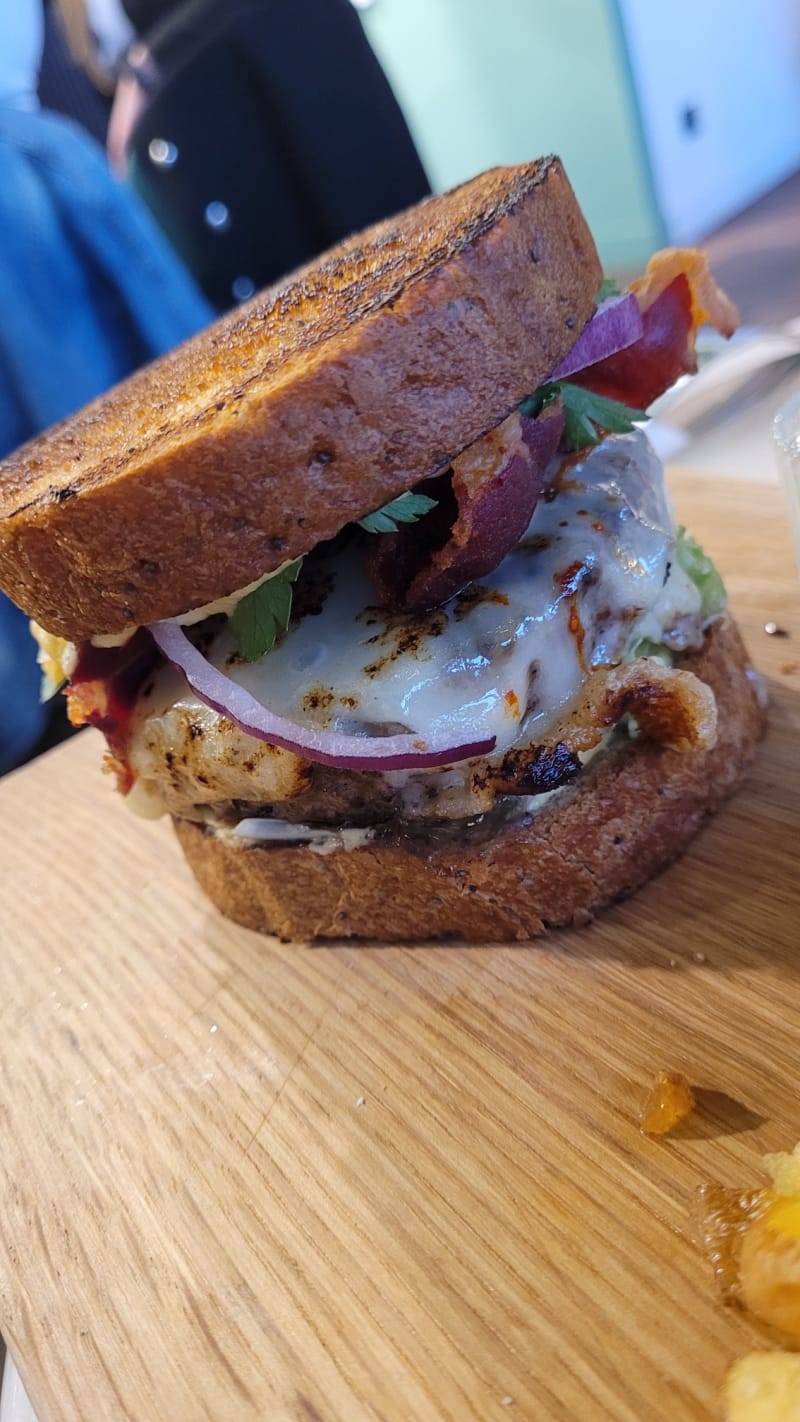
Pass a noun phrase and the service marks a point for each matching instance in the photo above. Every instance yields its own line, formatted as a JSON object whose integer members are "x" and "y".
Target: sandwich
{"x": 374, "y": 586}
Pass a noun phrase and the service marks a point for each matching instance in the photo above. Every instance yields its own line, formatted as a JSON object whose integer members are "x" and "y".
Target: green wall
{"x": 502, "y": 81}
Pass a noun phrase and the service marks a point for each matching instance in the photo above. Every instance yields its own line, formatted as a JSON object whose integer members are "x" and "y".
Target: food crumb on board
{"x": 670, "y": 1101}
{"x": 773, "y": 630}
{"x": 362, "y": 1101}
{"x": 700, "y": 958}
{"x": 506, "y": 1401}
{"x": 763, "y": 1387}
{"x": 786, "y": 668}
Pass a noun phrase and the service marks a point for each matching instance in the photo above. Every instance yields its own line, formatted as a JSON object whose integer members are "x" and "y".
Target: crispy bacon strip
{"x": 676, "y": 294}
{"x": 483, "y": 511}
{"x": 709, "y": 302}
{"x": 102, "y": 692}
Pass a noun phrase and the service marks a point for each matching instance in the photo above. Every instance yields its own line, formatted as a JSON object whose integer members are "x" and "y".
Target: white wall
{"x": 737, "y": 63}
{"x": 504, "y": 81}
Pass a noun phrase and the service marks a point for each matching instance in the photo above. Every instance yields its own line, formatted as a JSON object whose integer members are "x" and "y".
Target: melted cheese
{"x": 589, "y": 574}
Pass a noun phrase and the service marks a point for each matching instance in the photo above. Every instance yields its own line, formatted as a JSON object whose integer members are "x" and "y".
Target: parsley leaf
{"x": 586, "y": 415}
{"x": 259, "y": 617}
{"x": 609, "y": 286}
{"x": 540, "y": 399}
{"x": 406, "y": 508}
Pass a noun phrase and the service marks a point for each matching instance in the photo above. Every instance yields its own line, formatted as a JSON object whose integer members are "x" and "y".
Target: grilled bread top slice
{"x": 320, "y": 400}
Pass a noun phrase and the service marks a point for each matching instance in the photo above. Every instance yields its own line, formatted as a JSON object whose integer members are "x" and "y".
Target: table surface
{"x": 244, "y": 1180}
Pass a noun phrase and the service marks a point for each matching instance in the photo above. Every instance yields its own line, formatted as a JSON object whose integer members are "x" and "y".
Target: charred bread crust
{"x": 318, "y": 401}
{"x": 630, "y": 813}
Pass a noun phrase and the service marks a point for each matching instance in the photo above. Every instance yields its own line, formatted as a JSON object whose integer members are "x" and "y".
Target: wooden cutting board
{"x": 245, "y": 1181}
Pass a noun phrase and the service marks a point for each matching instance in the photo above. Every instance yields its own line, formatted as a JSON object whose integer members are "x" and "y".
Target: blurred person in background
{"x": 259, "y": 132}
{"x": 73, "y": 80}
{"x": 89, "y": 289}
{"x": 98, "y": 33}
{"x": 83, "y": 41}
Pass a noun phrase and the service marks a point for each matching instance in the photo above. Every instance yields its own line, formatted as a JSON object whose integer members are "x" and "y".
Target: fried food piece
{"x": 725, "y": 1217}
{"x": 752, "y": 1239}
{"x": 670, "y": 1102}
{"x": 763, "y": 1387}
{"x": 769, "y": 1266}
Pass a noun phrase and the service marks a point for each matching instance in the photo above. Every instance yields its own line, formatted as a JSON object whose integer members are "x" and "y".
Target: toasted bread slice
{"x": 320, "y": 400}
{"x": 630, "y": 813}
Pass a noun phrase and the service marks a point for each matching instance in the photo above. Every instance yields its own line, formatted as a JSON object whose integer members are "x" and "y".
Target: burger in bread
{"x": 374, "y": 586}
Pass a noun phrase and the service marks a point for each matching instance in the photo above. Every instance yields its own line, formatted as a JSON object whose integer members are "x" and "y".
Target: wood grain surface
{"x": 242, "y": 1180}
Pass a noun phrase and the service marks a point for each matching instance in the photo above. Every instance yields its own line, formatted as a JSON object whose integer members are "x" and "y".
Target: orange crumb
{"x": 512, "y": 704}
{"x": 670, "y": 1102}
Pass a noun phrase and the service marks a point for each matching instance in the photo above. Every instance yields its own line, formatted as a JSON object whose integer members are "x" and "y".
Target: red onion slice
{"x": 408, "y": 752}
{"x": 615, "y": 325}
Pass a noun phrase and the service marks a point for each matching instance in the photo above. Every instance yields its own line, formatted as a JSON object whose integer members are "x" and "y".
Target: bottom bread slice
{"x": 630, "y": 813}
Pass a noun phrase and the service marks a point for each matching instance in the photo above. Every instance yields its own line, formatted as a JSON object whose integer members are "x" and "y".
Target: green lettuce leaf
{"x": 703, "y": 574}
{"x": 645, "y": 647}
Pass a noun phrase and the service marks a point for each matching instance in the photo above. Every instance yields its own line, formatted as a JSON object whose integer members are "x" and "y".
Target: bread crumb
{"x": 670, "y": 1101}
{"x": 786, "y": 668}
{"x": 506, "y": 1401}
{"x": 362, "y": 1101}
{"x": 700, "y": 957}
{"x": 582, "y": 918}
{"x": 763, "y": 1387}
